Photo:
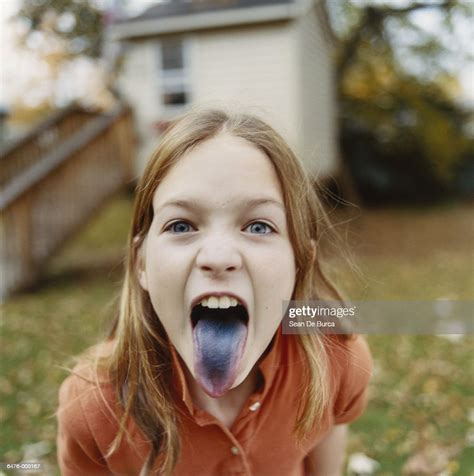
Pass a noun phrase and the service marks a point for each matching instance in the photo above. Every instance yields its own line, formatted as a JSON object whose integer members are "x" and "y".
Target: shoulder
{"x": 86, "y": 402}
{"x": 351, "y": 367}
{"x": 83, "y": 393}
{"x": 84, "y": 379}
{"x": 89, "y": 418}
{"x": 351, "y": 355}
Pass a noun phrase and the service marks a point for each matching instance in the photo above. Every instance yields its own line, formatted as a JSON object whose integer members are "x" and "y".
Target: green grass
{"x": 421, "y": 392}
{"x": 420, "y": 395}
{"x": 43, "y": 328}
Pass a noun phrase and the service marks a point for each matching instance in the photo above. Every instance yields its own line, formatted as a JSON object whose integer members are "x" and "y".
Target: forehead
{"x": 220, "y": 169}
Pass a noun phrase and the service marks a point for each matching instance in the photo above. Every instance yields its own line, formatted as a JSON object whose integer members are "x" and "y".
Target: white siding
{"x": 317, "y": 97}
{"x": 139, "y": 83}
{"x": 280, "y": 71}
{"x": 253, "y": 68}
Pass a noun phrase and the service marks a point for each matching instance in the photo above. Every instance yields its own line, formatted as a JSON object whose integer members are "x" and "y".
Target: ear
{"x": 140, "y": 263}
{"x": 313, "y": 251}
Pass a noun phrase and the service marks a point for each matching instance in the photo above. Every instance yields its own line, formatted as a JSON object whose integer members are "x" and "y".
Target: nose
{"x": 218, "y": 256}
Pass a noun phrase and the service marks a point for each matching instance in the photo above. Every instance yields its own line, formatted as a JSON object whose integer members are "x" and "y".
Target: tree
{"x": 403, "y": 134}
{"x": 61, "y": 59}
{"x": 78, "y": 22}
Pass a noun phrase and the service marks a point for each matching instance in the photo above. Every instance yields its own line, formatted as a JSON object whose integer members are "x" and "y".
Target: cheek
{"x": 282, "y": 269}
{"x": 164, "y": 259}
{"x": 166, "y": 275}
{"x": 274, "y": 278}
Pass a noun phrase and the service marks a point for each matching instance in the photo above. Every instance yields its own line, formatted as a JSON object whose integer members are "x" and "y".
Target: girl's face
{"x": 219, "y": 234}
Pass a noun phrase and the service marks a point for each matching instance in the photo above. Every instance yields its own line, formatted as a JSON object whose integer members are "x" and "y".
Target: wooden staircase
{"x": 51, "y": 182}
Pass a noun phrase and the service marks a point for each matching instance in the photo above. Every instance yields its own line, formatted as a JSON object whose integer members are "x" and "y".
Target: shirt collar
{"x": 268, "y": 365}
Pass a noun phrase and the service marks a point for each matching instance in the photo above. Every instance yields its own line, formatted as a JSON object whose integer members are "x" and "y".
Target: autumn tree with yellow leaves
{"x": 405, "y": 133}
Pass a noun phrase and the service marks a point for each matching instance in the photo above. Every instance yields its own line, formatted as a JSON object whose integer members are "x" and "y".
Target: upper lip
{"x": 199, "y": 298}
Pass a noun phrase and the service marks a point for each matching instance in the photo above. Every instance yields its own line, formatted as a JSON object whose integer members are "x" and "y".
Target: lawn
{"x": 421, "y": 411}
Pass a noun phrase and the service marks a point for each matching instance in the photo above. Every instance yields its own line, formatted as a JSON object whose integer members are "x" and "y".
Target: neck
{"x": 225, "y": 408}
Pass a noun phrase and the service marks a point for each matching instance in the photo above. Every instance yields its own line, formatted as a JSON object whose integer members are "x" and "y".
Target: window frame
{"x": 177, "y": 80}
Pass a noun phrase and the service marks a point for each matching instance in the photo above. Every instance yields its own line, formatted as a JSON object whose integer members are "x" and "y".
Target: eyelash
{"x": 169, "y": 228}
{"x": 177, "y": 222}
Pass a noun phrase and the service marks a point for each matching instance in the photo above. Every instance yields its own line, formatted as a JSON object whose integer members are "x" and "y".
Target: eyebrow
{"x": 248, "y": 202}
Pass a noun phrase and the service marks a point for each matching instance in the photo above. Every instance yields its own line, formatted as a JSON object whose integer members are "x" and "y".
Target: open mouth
{"x": 203, "y": 312}
{"x": 220, "y": 329}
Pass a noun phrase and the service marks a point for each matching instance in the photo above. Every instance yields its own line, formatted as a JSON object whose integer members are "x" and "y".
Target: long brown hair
{"x": 139, "y": 365}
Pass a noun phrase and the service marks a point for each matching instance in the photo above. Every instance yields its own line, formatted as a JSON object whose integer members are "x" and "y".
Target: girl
{"x": 196, "y": 378}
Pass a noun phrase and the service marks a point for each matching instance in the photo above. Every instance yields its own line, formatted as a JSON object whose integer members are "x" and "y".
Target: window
{"x": 172, "y": 54}
{"x": 174, "y": 73}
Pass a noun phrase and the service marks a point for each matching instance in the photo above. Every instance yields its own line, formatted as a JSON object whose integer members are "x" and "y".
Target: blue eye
{"x": 180, "y": 227}
{"x": 259, "y": 228}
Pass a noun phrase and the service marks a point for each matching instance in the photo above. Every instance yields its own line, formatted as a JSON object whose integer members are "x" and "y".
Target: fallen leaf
{"x": 361, "y": 465}
{"x": 429, "y": 461}
{"x": 470, "y": 437}
{"x": 34, "y": 451}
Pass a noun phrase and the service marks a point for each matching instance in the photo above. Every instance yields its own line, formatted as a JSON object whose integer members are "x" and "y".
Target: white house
{"x": 270, "y": 57}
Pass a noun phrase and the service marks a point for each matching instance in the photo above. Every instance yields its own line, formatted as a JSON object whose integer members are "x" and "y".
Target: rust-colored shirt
{"x": 260, "y": 442}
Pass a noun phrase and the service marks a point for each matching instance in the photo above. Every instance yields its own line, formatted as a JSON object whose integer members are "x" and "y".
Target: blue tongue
{"x": 218, "y": 348}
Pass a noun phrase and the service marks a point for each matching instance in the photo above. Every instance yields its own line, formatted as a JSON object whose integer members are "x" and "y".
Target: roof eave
{"x": 202, "y": 21}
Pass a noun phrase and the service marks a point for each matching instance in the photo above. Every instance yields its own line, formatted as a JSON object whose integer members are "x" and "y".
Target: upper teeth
{"x": 219, "y": 302}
